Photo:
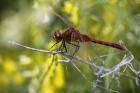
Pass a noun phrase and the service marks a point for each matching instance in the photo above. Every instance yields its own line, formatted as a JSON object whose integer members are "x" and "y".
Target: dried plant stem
{"x": 99, "y": 71}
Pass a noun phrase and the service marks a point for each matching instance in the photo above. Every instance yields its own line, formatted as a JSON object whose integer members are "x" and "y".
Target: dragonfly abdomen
{"x": 114, "y": 45}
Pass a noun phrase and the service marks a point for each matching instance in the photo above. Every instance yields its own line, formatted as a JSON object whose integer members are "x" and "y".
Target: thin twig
{"x": 101, "y": 71}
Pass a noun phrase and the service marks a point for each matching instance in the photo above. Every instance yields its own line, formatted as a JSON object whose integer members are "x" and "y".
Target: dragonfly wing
{"x": 73, "y": 36}
{"x": 76, "y": 36}
{"x": 67, "y": 35}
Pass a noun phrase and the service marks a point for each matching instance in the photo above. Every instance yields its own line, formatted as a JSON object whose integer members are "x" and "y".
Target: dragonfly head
{"x": 57, "y": 36}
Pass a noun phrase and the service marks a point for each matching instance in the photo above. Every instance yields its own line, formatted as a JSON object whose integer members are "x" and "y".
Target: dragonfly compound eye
{"x": 57, "y": 36}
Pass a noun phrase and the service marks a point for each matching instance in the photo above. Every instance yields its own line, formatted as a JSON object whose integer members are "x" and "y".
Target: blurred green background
{"x": 32, "y": 22}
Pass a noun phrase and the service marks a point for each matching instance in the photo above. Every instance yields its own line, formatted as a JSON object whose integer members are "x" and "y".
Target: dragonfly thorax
{"x": 57, "y": 36}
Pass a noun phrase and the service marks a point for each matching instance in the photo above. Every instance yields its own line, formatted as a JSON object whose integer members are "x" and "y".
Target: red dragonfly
{"x": 71, "y": 35}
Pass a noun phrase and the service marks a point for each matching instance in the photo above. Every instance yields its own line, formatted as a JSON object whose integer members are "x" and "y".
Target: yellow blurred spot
{"x": 51, "y": 85}
{"x": 107, "y": 30}
{"x": 68, "y": 7}
{"x": 109, "y": 16}
{"x": 18, "y": 79}
{"x": 94, "y": 28}
{"x": 55, "y": 78}
{"x": 75, "y": 17}
{"x": 113, "y": 2}
{"x": 73, "y": 11}
{"x": 9, "y": 66}
{"x": 59, "y": 77}
{"x": 48, "y": 88}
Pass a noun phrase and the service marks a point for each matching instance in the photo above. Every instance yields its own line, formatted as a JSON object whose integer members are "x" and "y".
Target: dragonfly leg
{"x": 61, "y": 46}
{"x": 65, "y": 47}
{"x": 76, "y": 45}
{"x": 52, "y": 46}
{"x": 77, "y": 48}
